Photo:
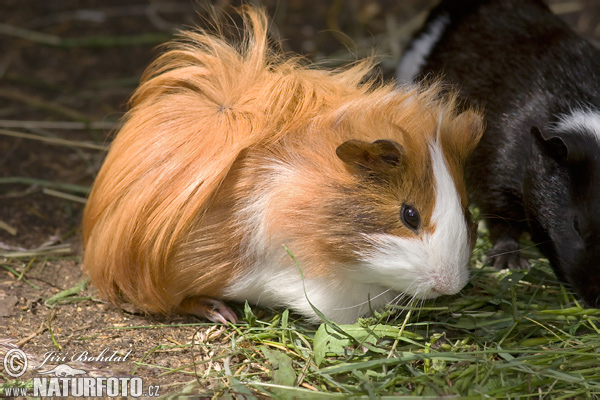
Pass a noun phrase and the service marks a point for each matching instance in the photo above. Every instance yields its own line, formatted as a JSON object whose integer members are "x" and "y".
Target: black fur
{"x": 525, "y": 69}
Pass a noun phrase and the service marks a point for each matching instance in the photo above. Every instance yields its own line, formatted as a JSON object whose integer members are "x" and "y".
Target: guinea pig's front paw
{"x": 506, "y": 254}
{"x": 212, "y": 309}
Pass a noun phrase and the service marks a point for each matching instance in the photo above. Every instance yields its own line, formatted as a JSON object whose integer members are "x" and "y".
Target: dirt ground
{"x": 67, "y": 69}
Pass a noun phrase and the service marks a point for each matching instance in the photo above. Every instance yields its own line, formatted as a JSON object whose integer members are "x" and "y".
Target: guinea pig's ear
{"x": 463, "y": 135}
{"x": 381, "y": 155}
{"x": 554, "y": 146}
{"x": 468, "y": 127}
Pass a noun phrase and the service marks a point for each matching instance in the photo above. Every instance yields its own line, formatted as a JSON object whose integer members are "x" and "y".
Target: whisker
{"x": 522, "y": 248}
{"x": 364, "y": 302}
{"x": 397, "y": 311}
{"x": 500, "y": 217}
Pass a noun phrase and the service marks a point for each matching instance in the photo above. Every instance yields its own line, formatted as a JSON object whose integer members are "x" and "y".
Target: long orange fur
{"x": 158, "y": 227}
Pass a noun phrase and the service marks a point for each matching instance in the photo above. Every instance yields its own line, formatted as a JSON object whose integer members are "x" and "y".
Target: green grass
{"x": 509, "y": 334}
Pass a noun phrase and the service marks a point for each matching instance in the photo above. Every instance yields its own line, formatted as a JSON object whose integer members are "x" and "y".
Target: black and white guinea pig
{"x": 537, "y": 167}
{"x": 232, "y": 151}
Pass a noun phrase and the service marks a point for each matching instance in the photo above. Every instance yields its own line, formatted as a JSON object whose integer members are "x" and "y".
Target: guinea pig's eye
{"x": 410, "y": 217}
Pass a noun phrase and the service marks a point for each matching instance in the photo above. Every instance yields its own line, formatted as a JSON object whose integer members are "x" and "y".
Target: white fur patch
{"x": 279, "y": 284}
{"x": 413, "y": 60}
{"x": 582, "y": 121}
{"x": 434, "y": 264}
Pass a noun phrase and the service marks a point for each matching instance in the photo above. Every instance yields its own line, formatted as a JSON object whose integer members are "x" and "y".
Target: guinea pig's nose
{"x": 589, "y": 289}
{"x": 592, "y": 298}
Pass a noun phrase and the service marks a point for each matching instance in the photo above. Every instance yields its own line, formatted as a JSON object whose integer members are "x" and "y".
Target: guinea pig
{"x": 537, "y": 167}
{"x": 233, "y": 154}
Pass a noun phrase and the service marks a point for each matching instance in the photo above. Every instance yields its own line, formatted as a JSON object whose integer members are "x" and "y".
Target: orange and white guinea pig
{"x": 232, "y": 152}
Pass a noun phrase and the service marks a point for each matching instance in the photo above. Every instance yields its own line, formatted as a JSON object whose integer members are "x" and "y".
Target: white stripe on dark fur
{"x": 414, "y": 58}
{"x": 581, "y": 121}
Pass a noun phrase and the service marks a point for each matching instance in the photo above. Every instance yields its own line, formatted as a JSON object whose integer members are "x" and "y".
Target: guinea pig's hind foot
{"x": 506, "y": 254}
{"x": 212, "y": 309}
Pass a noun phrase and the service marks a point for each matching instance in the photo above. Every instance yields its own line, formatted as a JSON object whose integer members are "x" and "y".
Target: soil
{"x": 77, "y": 61}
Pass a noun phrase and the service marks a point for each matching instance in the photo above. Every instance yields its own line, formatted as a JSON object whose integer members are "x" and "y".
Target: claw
{"x": 506, "y": 254}
{"x": 212, "y": 309}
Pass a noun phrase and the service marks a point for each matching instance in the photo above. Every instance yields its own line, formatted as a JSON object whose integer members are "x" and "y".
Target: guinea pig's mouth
{"x": 588, "y": 290}
{"x": 438, "y": 285}
{"x": 427, "y": 294}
